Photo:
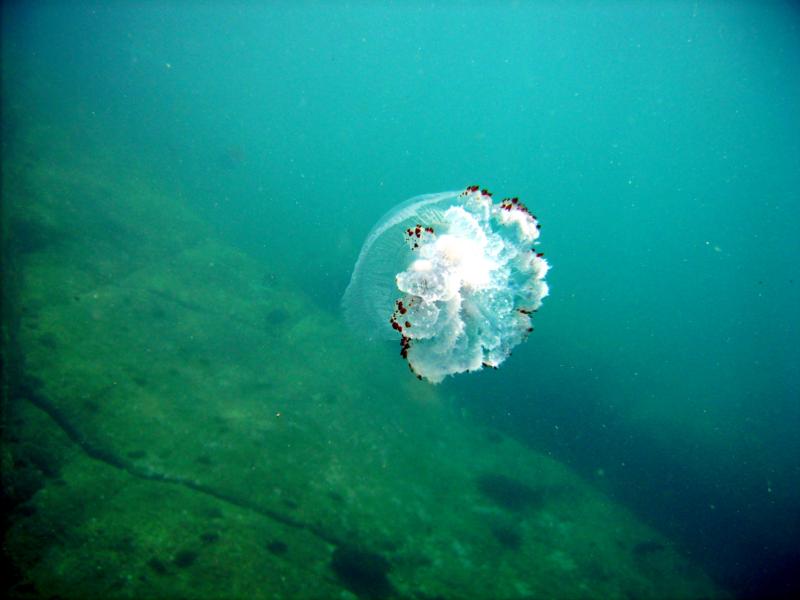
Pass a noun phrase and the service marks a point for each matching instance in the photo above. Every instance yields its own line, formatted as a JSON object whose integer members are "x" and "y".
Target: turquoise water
{"x": 657, "y": 143}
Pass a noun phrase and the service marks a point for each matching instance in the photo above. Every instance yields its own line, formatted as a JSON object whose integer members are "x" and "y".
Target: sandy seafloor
{"x": 180, "y": 422}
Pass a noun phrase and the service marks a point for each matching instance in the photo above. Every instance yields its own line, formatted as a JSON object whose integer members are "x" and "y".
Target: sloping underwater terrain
{"x": 180, "y": 422}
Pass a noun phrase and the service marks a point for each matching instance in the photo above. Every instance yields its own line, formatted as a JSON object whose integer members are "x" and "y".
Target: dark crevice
{"x": 17, "y": 383}
{"x": 29, "y": 389}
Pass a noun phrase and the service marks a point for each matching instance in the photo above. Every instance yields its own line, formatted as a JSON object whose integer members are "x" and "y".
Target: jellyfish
{"x": 456, "y": 276}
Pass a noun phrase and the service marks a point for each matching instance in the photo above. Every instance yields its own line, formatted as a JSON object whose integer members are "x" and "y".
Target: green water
{"x": 656, "y": 142}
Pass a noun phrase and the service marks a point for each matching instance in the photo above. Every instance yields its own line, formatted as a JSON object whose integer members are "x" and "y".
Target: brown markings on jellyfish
{"x": 509, "y": 204}
{"x": 417, "y": 235}
{"x": 405, "y": 344}
{"x": 401, "y": 308}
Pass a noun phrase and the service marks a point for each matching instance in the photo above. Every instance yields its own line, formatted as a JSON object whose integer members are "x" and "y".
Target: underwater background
{"x": 186, "y": 187}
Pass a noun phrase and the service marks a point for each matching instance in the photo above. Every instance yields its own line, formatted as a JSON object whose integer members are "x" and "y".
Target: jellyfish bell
{"x": 455, "y": 275}
{"x": 385, "y": 253}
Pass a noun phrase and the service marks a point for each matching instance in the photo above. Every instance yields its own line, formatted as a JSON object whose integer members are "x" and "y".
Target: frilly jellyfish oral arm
{"x": 455, "y": 275}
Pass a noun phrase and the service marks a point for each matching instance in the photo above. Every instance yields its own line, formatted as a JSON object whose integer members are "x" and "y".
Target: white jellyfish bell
{"x": 454, "y": 275}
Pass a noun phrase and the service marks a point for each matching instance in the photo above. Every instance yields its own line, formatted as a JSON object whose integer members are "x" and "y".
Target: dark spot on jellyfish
{"x": 185, "y": 558}
{"x": 408, "y": 324}
{"x": 157, "y": 566}
{"x": 277, "y": 547}
{"x": 362, "y": 572}
{"x": 509, "y": 493}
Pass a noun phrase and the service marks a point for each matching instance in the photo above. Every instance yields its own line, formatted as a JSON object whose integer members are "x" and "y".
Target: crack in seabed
{"x": 29, "y": 391}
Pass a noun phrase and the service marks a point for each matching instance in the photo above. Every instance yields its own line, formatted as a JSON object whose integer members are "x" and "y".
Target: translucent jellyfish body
{"x": 455, "y": 276}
